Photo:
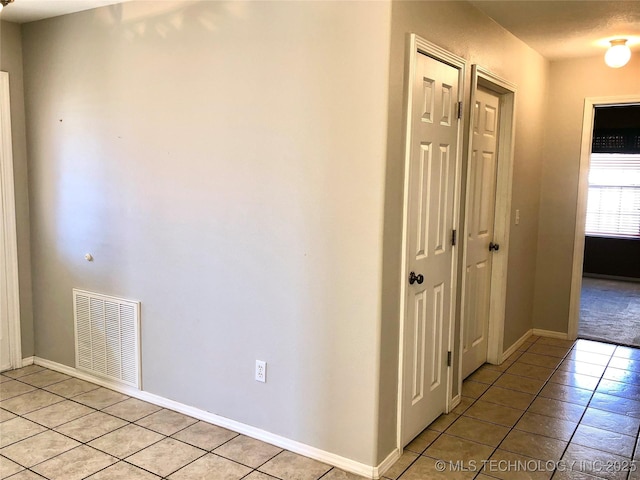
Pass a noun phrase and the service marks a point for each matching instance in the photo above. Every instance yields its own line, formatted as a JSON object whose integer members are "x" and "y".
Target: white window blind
{"x": 613, "y": 206}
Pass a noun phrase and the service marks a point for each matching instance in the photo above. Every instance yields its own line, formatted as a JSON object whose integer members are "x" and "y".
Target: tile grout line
{"x": 128, "y": 422}
{"x": 91, "y": 440}
{"x": 255, "y": 469}
{"x": 536, "y": 395}
{"x": 496, "y": 448}
{"x": 439, "y": 434}
{"x": 475, "y": 400}
{"x": 71, "y": 438}
{"x": 169, "y": 436}
{"x": 124, "y": 459}
{"x": 578, "y": 423}
{"x": 586, "y": 407}
{"x": 513, "y": 427}
{"x": 585, "y": 410}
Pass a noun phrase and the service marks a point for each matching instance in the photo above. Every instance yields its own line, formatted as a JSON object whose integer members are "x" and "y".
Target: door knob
{"x": 493, "y": 247}
{"x": 413, "y": 278}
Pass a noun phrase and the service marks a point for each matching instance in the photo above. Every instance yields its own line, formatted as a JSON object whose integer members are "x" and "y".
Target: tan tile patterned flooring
{"x": 549, "y": 404}
{"x": 61, "y": 428}
{"x": 554, "y": 409}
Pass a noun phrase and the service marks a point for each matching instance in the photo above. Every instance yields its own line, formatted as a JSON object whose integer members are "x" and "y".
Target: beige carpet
{"x": 610, "y": 311}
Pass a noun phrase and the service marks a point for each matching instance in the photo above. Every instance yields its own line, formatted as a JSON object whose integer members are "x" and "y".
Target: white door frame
{"x": 590, "y": 104}
{"x": 482, "y": 77}
{"x": 9, "y": 287}
{"x": 418, "y": 46}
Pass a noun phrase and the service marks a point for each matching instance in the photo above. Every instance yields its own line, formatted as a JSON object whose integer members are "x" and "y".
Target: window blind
{"x": 620, "y": 140}
{"x": 613, "y": 205}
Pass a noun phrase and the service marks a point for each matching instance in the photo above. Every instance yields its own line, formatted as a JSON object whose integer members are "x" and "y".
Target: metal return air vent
{"x": 107, "y": 331}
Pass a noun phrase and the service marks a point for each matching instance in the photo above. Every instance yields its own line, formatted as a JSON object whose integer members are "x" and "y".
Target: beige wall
{"x": 224, "y": 164}
{"x": 238, "y": 168}
{"x": 463, "y": 30}
{"x": 570, "y": 81}
{"x": 11, "y": 62}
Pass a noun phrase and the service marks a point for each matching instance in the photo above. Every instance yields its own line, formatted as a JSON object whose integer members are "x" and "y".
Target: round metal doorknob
{"x": 413, "y": 278}
{"x": 493, "y": 247}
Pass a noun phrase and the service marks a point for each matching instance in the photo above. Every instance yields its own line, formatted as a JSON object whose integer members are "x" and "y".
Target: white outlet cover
{"x": 261, "y": 371}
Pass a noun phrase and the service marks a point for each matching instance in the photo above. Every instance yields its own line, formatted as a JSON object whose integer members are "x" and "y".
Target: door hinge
{"x": 459, "y": 110}
{"x": 454, "y": 237}
{"x": 448, "y": 359}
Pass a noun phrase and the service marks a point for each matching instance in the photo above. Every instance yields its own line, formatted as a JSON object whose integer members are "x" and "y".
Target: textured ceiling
{"x": 22, "y": 11}
{"x": 557, "y": 29}
{"x": 566, "y": 29}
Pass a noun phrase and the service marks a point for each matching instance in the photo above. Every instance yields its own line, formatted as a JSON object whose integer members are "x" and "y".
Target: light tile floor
{"x": 549, "y": 404}
{"x": 60, "y": 428}
{"x": 554, "y": 409}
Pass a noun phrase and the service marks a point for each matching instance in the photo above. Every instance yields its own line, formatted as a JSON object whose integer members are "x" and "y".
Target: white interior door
{"x": 480, "y": 228}
{"x": 432, "y": 173}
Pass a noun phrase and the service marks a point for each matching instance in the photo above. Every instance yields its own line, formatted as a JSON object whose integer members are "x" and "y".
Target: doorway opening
{"x": 605, "y": 290}
{"x": 486, "y": 221}
{"x": 610, "y": 294}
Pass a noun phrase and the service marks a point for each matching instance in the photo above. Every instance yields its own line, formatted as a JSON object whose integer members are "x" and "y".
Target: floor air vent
{"x": 107, "y": 336}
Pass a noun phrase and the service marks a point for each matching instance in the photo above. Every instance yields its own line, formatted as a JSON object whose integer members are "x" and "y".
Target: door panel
{"x": 481, "y": 210}
{"x": 434, "y": 137}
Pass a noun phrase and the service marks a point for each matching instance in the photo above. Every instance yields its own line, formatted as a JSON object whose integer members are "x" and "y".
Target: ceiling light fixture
{"x": 4, "y": 3}
{"x": 618, "y": 54}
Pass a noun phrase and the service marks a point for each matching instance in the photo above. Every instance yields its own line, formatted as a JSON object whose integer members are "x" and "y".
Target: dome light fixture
{"x": 618, "y": 54}
{"x": 4, "y": 3}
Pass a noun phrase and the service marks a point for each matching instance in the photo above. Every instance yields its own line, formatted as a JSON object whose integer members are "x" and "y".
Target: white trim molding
{"x": 513, "y": 348}
{"x": 590, "y": 104}
{"x": 550, "y": 334}
{"x": 386, "y": 464}
{"x": 455, "y": 401}
{"x": 535, "y": 331}
{"x": 27, "y": 361}
{"x": 9, "y": 285}
{"x": 373, "y": 472}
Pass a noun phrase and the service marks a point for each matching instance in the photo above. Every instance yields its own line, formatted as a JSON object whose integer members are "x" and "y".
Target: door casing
{"x": 590, "y": 104}
{"x": 418, "y": 46}
{"x": 9, "y": 287}
{"x": 483, "y": 77}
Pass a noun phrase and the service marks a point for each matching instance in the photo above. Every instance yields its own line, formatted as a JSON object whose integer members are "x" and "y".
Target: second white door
{"x": 480, "y": 226}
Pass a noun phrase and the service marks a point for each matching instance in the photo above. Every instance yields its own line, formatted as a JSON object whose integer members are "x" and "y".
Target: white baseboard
{"x": 282, "y": 442}
{"x": 611, "y": 277}
{"x": 455, "y": 401}
{"x": 386, "y": 464}
{"x": 27, "y": 361}
{"x": 509, "y": 351}
{"x": 550, "y": 334}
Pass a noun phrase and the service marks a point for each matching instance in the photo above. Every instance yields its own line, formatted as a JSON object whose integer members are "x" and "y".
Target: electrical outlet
{"x": 261, "y": 371}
